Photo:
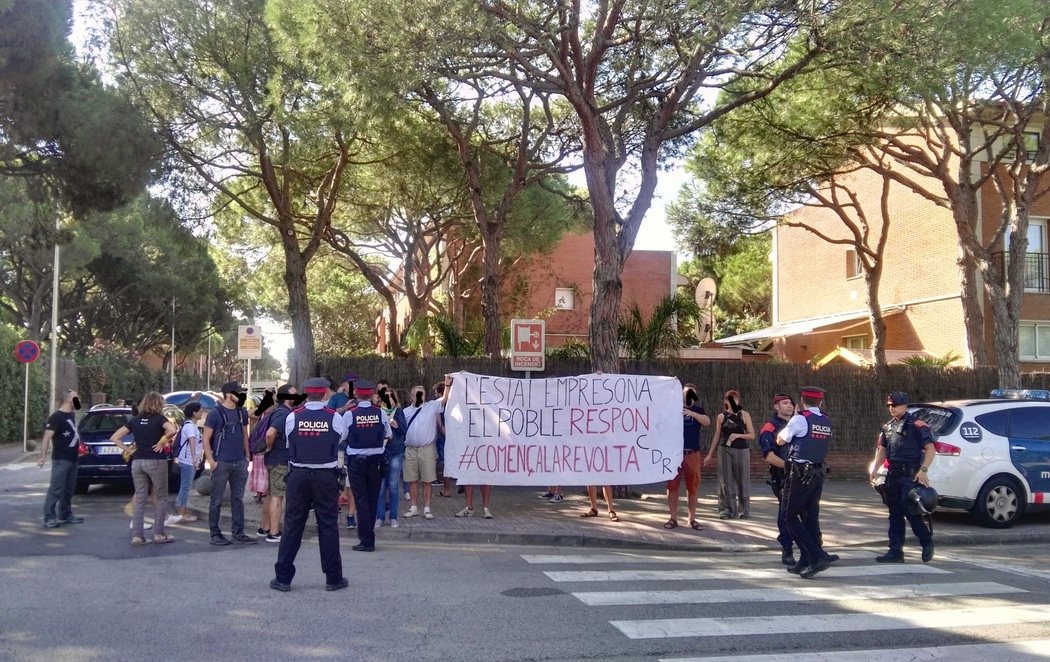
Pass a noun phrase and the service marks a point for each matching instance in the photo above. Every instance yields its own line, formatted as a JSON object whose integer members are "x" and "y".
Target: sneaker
{"x": 394, "y": 524}
{"x": 412, "y": 512}
{"x": 51, "y": 523}
{"x": 280, "y": 586}
{"x": 408, "y": 497}
{"x": 72, "y": 519}
{"x": 351, "y": 523}
{"x": 547, "y": 495}
{"x": 487, "y": 514}
{"x": 273, "y": 538}
{"x": 219, "y": 540}
{"x": 379, "y": 523}
{"x": 146, "y": 526}
{"x": 466, "y": 512}
{"x": 555, "y": 498}
{"x": 341, "y": 584}
{"x": 172, "y": 519}
{"x": 262, "y": 532}
{"x": 427, "y": 514}
{"x": 438, "y": 482}
{"x": 244, "y": 539}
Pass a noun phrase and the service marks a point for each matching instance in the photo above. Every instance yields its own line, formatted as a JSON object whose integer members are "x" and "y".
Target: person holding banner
{"x": 420, "y": 449}
{"x": 694, "y": 417}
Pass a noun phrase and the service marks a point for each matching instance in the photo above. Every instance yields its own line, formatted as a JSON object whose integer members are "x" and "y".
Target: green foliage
{"x": 573, "y": 348}
{"x": 663, "y": 333}
{"x": 921, "y": 360}
{"x": 743, "y": 273}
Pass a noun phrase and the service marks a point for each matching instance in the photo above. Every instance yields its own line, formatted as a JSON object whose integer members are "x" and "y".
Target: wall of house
{"x": 530, "y": 286}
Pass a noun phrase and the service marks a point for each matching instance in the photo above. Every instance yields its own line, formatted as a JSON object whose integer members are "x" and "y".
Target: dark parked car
{"x": 100, "y": 459}
{"x": 207, "y": 399}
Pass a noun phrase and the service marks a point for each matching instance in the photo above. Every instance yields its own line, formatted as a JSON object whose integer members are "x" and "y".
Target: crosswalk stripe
{"x": 1034, "y": 649}
{"x": 907, "y": 619}
{"x": 742, "y": 573}
{"x": 594, "y": 559}
{"x": 794, "y": 594}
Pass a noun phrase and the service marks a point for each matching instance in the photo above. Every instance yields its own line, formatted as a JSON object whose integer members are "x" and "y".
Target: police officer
{"x": 314, "y": 433}
{"x": 907, "y": 443}
{"x": 368, "y": 431}
{"x": 776, "y": 457}
{"x": 808, "y": 433}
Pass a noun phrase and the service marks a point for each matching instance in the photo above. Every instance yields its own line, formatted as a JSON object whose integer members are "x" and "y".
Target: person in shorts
{"x": 421, "y": 420}
{"x": 695, "y": 418}
{"x": 277, "y": 459}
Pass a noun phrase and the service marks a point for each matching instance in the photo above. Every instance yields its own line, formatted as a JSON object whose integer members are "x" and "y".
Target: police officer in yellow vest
{"x": 314, "y": 433}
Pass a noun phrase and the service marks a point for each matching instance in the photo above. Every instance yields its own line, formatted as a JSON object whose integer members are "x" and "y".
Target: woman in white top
{"x": 188, "y": 459}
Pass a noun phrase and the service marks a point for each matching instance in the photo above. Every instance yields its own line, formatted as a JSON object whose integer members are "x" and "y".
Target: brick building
{"x": 819, "y": 311}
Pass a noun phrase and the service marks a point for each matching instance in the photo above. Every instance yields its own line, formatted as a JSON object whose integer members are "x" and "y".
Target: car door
{"x": 1029, "y": 438}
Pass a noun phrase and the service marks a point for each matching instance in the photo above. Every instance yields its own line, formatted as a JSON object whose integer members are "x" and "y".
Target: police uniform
{"x": 808, "y": 435}
{"x": 904, "y": 441}
{"x": 314, "y": 433}
{"x": 767, "y": 441}
{"x": 368, "y": 430}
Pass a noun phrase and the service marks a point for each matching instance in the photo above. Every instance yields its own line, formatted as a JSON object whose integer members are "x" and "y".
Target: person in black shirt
{"x": 153, "y": 434}
{"x": 60, "y": 433}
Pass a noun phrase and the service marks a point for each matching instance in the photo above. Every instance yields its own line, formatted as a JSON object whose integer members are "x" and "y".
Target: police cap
{"x": 315, "y": 385}
{"x": 363, "y": 388}
{"x": 813, "y": 392}
{"x": 897, "y": 398}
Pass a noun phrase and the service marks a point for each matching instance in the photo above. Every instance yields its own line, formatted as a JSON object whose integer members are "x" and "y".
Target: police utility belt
{"x": 805, "y": 471}
{"x": 902, "y": 469}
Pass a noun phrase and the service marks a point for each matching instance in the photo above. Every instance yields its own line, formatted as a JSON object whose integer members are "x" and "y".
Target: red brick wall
{"x": 529, "y": 287}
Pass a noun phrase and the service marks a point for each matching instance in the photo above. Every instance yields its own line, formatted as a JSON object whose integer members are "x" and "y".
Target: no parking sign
{"x": 27, "y": 351}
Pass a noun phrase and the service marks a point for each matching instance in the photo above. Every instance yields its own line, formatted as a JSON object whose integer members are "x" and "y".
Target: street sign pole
{"x": 26, "y": 351}
{"x": 25, "y": 416}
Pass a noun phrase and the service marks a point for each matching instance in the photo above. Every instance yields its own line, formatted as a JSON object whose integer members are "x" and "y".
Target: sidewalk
{"x": 851, "y": 515}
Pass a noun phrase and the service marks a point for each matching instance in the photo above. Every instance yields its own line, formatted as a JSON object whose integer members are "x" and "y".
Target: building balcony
{"x": 1036, "y": 270}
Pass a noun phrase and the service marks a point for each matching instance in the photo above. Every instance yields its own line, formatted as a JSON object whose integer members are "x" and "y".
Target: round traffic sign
{"x": 27, "y": 351}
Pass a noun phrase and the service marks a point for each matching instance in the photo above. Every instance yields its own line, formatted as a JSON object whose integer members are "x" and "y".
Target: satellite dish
{"x": 705, "y": 322}
{"x": 705, "y": 293}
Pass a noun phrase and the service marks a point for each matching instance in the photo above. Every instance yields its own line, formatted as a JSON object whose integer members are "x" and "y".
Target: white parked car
{"x": 993, "y": 454}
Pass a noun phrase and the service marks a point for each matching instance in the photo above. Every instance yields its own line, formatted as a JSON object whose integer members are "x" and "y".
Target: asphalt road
{"x": 83, "y": 593}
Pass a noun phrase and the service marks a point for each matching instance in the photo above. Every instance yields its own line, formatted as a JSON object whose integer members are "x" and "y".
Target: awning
{"x": 825, "y": 323}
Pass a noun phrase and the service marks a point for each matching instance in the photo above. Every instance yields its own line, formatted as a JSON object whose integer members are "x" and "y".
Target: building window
{"x": 853, "y": 268}
{"x": 1034, "y": 341}
{"x": 564, "y": 298}
{"x": 856, "y": 342}
{"x": 1031, "y": 144}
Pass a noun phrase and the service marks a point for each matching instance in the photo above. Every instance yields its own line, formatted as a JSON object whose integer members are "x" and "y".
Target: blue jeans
{"x": 390, "y": 488}
{"x": 186, "y": 473}
{"x": 236, "y": 475}
{"x": 60, "y": 491}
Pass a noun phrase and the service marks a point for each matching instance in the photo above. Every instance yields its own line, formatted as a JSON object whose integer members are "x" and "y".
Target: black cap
{"x": 316, "y": 385}
{"x": 232, "y": 387}
{"x": 897, "y": 398}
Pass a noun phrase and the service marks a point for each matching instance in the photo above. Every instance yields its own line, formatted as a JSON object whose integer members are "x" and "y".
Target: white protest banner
{"x": 582, "y": 430}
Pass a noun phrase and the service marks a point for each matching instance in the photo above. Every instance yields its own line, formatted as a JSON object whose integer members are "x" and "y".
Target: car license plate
{"x": 107, "y": 450}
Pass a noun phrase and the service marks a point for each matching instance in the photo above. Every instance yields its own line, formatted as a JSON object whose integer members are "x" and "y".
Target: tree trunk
{"x": 872, "y": 277}
{"x": 973, "y": 315}
{"x": 491, "y": 285}
{"x": 302, "y": 355}
{"x": 608, "y": 288}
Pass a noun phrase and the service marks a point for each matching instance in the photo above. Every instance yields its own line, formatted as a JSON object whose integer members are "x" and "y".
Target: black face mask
{"x": 76, "y": 403}
{"x": 419, "y": 399}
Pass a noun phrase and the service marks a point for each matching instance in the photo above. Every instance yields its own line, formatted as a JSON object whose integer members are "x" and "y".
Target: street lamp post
{"x": 171, "y": 386}
{"x": 54, "y": 319}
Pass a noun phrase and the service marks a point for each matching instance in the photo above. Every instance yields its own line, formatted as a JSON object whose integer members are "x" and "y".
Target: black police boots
{"x": 786, "y": 556}
{"x": 817, "y": 566}
{"x": 927, "y": 552}
{"x": 896, "y": 557}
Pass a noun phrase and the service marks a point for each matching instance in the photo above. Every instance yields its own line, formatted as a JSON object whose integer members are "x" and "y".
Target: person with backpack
{"x": 188, "y": 452}
{"x": 275, "y": 445}
{"x": 226, "y": 454}
{"x": 258, "y": 481}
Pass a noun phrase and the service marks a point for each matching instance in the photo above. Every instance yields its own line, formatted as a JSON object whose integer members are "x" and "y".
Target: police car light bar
{"x": 1020, "y": 394}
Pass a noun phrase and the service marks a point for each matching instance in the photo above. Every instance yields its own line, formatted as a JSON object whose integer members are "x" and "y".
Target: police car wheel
{"x": 999, "y": 503}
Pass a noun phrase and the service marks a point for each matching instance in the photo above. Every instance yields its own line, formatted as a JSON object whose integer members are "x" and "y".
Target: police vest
{"x": 313, "y": 441}
{"x": 903, "y": 441}
{"x": 813, "y": 446}
{"x": 366, "y": 428}
{"x": 768, "y": 433}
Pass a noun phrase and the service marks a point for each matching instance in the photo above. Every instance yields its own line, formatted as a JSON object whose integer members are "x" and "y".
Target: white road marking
{"x": 1033, "y": 649}
{"x": 594, "y": 559}
{"x": 794, "y": 594}
{"x": 947, "y": 620}
{"x": 724, "y": 573}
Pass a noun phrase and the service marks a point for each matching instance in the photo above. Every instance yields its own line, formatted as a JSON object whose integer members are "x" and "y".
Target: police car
{"x": 993, "y": 454}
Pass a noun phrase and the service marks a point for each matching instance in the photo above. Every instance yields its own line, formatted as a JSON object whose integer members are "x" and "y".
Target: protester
{"x": 61, "y": 429}
{"x": 694, "y": 417}
{"x": 733, "y": 431}
{"x": 420, "y": 451}
{"x": 276, "y": 461}
{"x": 153, "y": 434}
{"x": 486, "y": 494}
{"x": 190, "y": 455}
{"x": 607, "y": 493}
{"x": 226, "y": 454}
{"x": 390, "y": 488}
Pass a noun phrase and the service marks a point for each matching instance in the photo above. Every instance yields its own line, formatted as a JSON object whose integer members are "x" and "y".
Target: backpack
{"x": 176, "y": 444}
{"x": 257, "y": 438}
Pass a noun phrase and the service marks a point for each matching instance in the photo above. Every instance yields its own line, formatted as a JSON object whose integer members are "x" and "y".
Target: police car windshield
{"x": 940, "y": 419}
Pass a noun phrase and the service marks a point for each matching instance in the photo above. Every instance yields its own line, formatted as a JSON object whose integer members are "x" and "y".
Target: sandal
{"x": 444, "y": 494}
{"x": 164, "y": 537}
{"x": 613, "y": 516}
{"x": 696, "y": 525}
{"x": 140, "y": 541}
{"x": 671, "y": 524}
{"x": 593, "y": 512}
